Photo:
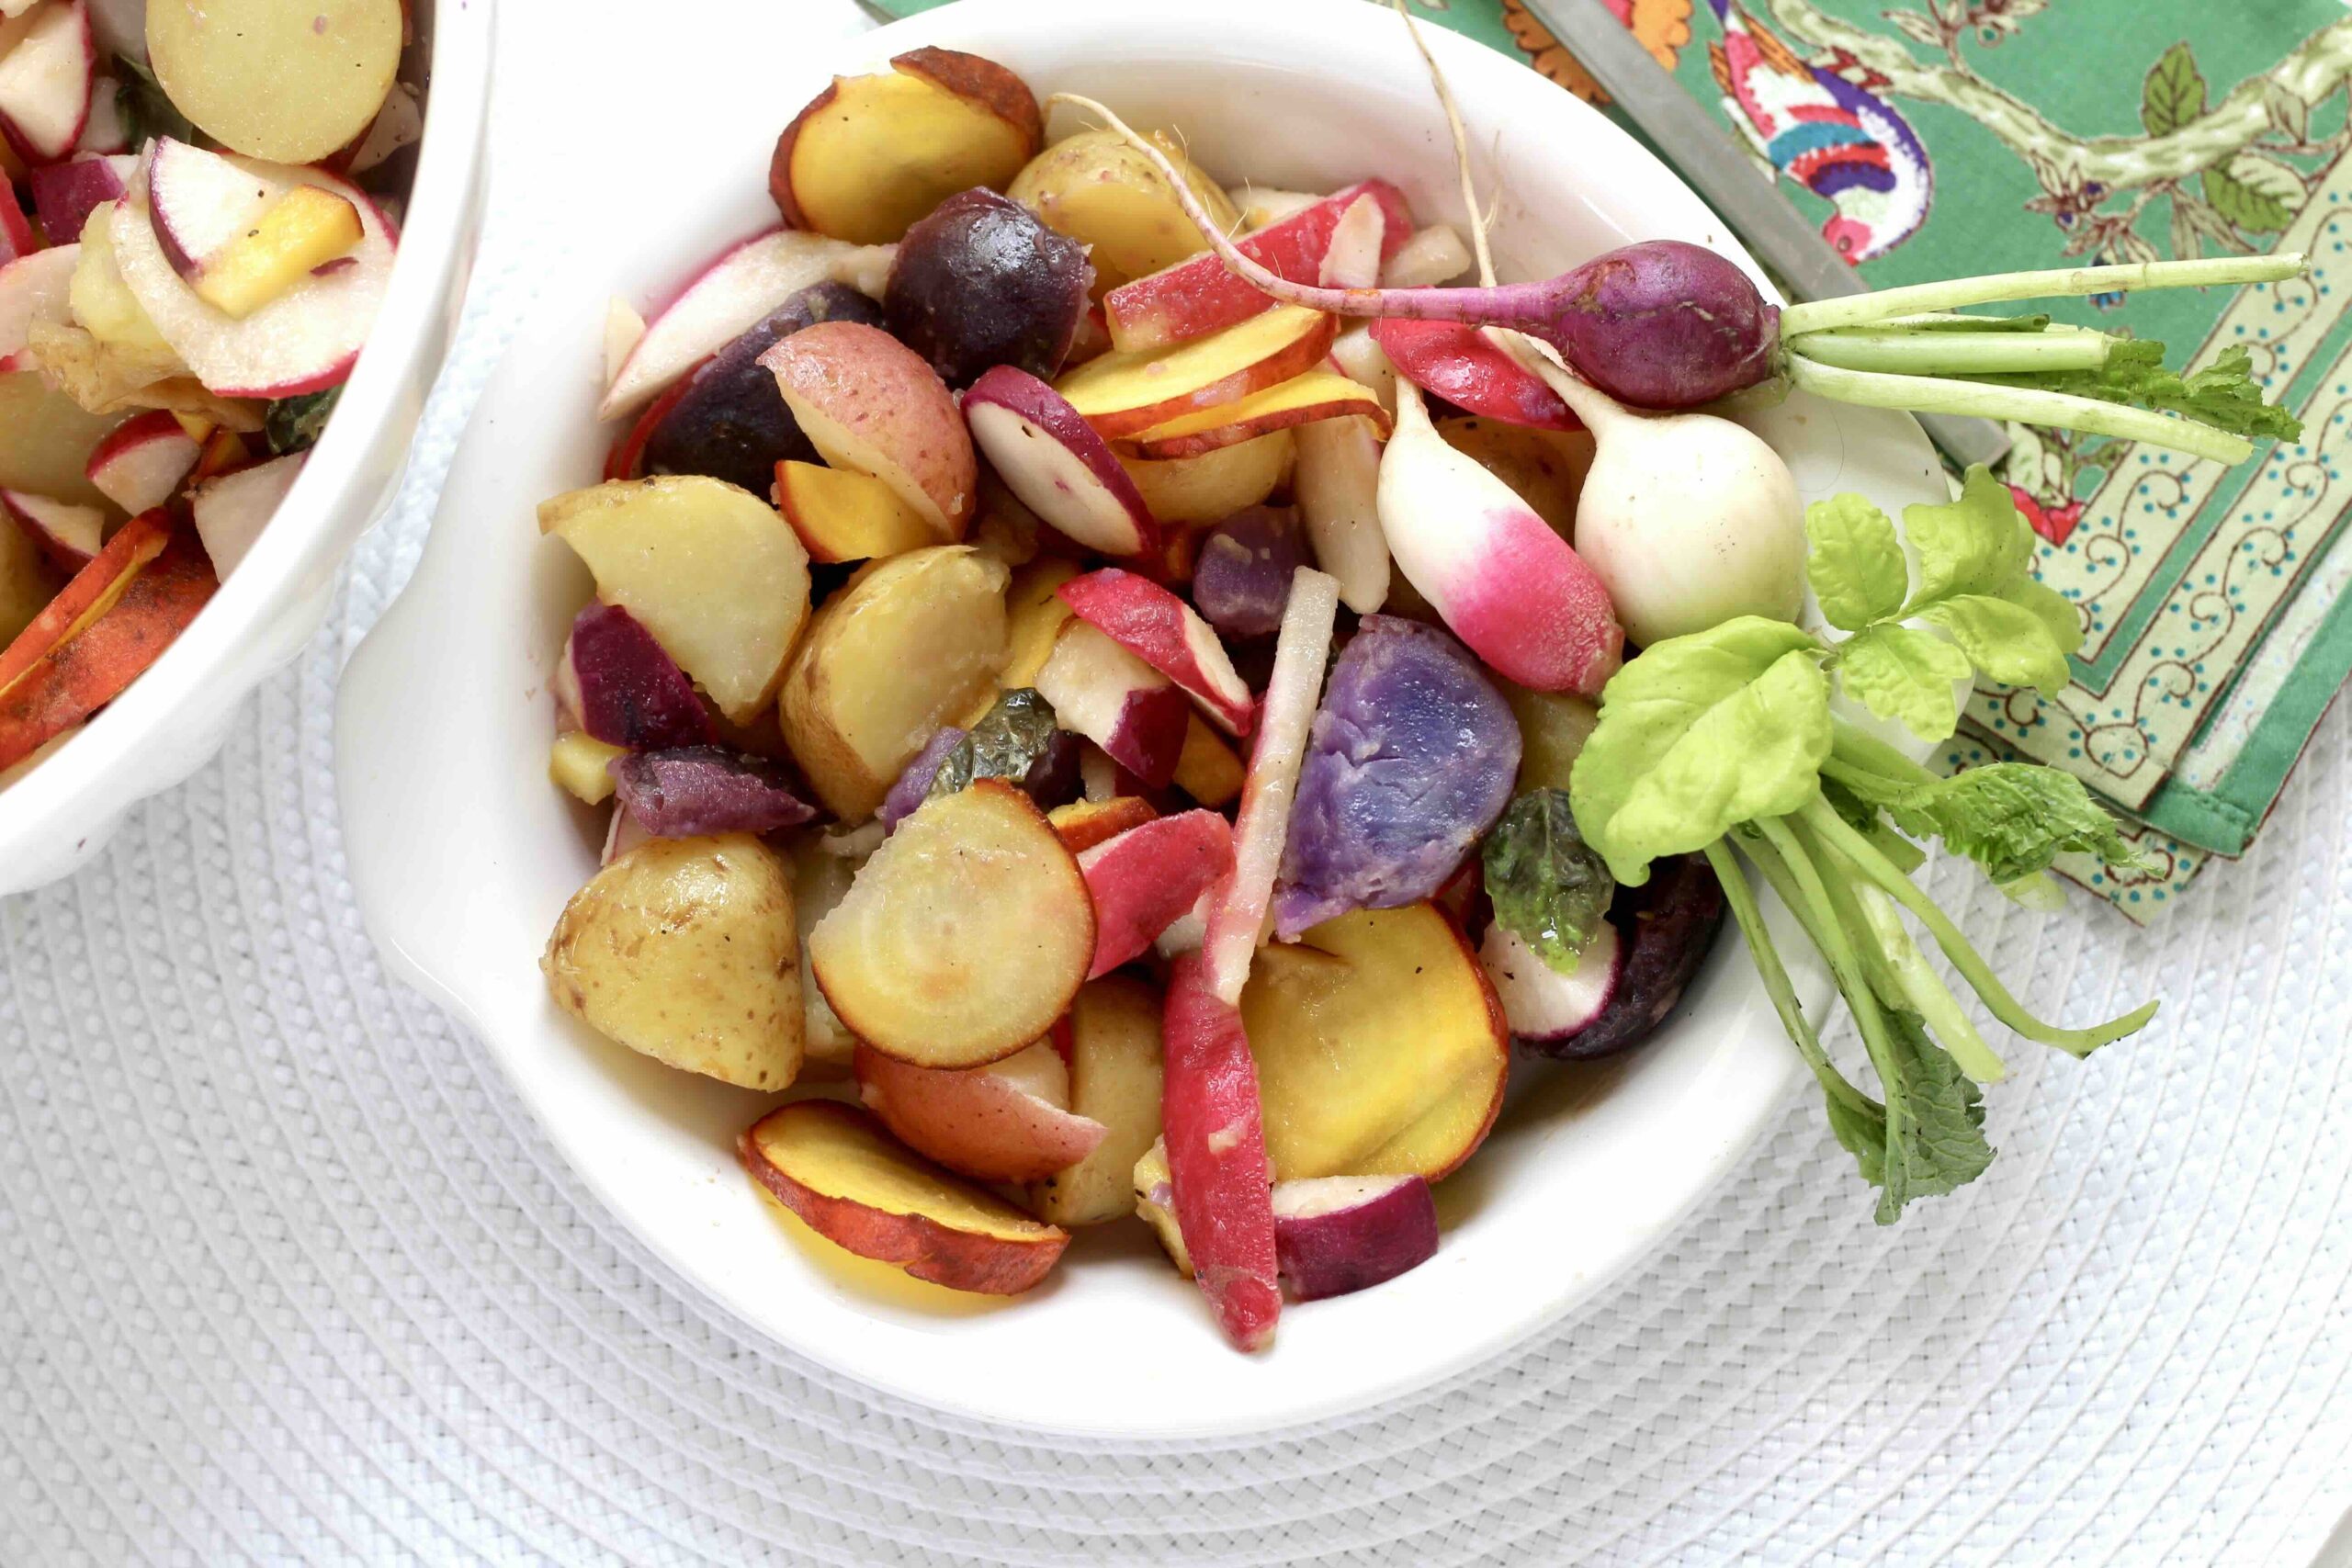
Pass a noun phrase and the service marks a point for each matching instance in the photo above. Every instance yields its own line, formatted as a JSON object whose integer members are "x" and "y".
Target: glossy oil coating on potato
{"x": 684, "y": 950}
{"x": 1099, "y": 191}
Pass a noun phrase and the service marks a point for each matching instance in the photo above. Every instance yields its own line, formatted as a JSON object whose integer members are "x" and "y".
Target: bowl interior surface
{"x": 464, "y": 854}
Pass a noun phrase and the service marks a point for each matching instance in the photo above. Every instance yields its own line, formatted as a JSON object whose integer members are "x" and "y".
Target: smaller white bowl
{"x": 168, "y": 724}
{"x": 463, "y": 853}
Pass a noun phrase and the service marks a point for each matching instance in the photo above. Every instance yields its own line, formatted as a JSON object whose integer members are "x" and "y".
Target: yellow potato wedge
{"x": 907, "y": 646}
{"x": 1095, "y": 188}
{"x": 821, "y": 879}
{"x": 711, "y": 569}
{"x": 964, "y": 938}
{"x": 1199, "y": 492}
{"x": 579, "y": 764}
{"x": 683, "y": 950}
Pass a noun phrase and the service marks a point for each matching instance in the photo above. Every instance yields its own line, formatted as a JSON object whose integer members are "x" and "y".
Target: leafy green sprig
{"x": 1726, "y": 740}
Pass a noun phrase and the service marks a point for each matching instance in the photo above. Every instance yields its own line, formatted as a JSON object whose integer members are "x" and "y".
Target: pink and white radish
{"x": 1219, "y": 1178}
{"x": 1186, "y": 932}
{"x": 1338, "y": 1234}
{"x": 1503, "y": 582}
{"x": 727, "y": 298}
{"x": 1133, "y": 713}
{"x": 1336, "y": 480}
{"x": 66, "y": 193}
{"x": 1146, "y": 879}
{"x": 141, "y": 463}
{"x": 33, "y": 288}
{"x": 1236, "y": 923}
{"x": 1470, "y": 370}
{"x": 1539, "y": 1002}
{"x": 67, "y": 533}
{"x": 232, "y": 511}
{"x": 1167, "y": 634}
{"x": 46, "y": 75}
{"x": 1051, "y": 458}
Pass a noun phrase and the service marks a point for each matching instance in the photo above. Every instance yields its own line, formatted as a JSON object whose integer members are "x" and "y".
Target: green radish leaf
{"x": 1979, "y": 543}
{"x": 1935, "y": 1122}
{"x": 1854, "y": 561}
{"x": 1547, "y": 886}
{"x": 2012, "y": 818}
{"x": 2173, "y": 93}
{"x": 1904, "y": 675}
{"x": 2224, "y": 394}
{"x": 2008, "y": 642}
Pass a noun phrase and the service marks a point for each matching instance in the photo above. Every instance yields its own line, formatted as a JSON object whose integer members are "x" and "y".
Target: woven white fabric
{"x": 287, "y": 1272}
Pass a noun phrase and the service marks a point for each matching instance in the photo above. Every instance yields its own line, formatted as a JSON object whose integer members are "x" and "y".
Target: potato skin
{"x": 1099, "y": 191}
{"x": 730, "y": 424}
{"x": 685, "y": 950}
{"x": 980, "y": 283}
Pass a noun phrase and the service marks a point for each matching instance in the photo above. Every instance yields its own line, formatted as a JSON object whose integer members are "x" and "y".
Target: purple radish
{"x": 1336, "y": 1235}
{"x": 1541, "y": 1004}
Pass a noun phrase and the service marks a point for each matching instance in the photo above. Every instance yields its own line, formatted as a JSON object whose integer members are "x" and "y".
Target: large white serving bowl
{"x": 463, "y": 853}
{"x": 61, "y": 810}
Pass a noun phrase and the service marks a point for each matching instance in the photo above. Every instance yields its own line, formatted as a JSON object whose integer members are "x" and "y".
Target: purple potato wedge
{"x": 980, "y": 283}
{"x": 1241, "y": 578}
{"x": 1410, "y": 762}
{"x": 1666, "y": 927}
{"x": 694, "y": 790}
{"x": 625, "y": 688}
{"x": 914, "y": 784}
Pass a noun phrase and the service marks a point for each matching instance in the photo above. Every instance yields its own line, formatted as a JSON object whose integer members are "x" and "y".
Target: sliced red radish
{"x": 33, "y": 288}
{"x": 232, "y": 511}
{"x": 1468, "y": 369}
{"x": 199, "y": 202}
{"x": 142, "y": 461}
{"x": 1219, "y": 1176}
{"x": 1238, "y": 921}
{"x": 67, "y": 533}
{"x": 1198, "y": 296}
{"x": 304, "y": 341}
{"x": 1102, "y": 692}
{"x": 64, "y": 194}
{"x": 1146, "y": 879}
{"x": 1336, "y": 1235}
{"x": 728, "y": 297}
{"x": 107, "y": 129}
{"x": 1056, "y": 463}
{"x": 1167, "y": 634}
{"x": 1541, "y": 1003}
{"x": 45, "y": 82}
{"x": 1186, "y": 931}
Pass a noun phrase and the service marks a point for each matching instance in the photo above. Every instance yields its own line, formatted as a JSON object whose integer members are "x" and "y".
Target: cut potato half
{"x": 966, "y": 935}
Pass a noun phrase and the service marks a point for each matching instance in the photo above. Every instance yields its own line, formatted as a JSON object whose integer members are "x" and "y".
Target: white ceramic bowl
{"x": 463, "y": 853}
{"x": 61, "y": 811}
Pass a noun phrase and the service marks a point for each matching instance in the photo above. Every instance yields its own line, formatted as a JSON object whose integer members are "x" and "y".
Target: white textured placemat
{"x": 287, "y": 1274}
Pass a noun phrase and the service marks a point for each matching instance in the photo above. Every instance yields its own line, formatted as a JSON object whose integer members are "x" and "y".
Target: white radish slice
{"x": 45, "y": 81}
{"x": 1338, "y": 1234}
{"x": 1541, "y": 1003}
{"x": 1354, "y": 259}
{"x": 1302, "y": 650}
{"x": 201, "y": 201}
{"x": 1433, "y": 256}
{"x": 106, "y": 130}
{"x": 398, "y": 124}
{"x": 1167, "y": 634}
{"x": 68, "y": 534}
{"x": 1056, "y": 463}
{"x": 1336, "y": 486}
{"x": 33, "y": 288}
{"x": 1100, "y": 690}
{"x": 729, "y": 297}
{"x": 232, "y": 511}
{"x": 304, "y": 341}
{"x": 141, "y": 463}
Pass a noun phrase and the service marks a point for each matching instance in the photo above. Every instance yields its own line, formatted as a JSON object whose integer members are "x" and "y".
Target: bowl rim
{"x": 421, "y": 942}
{"x": 322, "y": 518}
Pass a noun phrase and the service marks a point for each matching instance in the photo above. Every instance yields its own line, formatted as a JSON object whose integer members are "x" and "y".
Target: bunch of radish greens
{"x": 1726, "y": 737}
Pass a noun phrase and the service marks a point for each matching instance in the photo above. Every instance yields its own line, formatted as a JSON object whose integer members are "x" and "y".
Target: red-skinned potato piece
{"x": 871, "y": 405}
{"x": 984, "y": 1123}
{"x": 872, "y": 154}
{"x": 1058, "y": 464}
{"x": 1167, "y": 634}
{"x": 89, "y": 593}
{"x": 1468, "y": 369}
{"x": 1114, "y": 699}
{"x": 1338, "y": 1234}
{"x": 833, "y": 1167}
{"x": 1147, "y": 878}
{"x": 1198, "y": 296}
{"x": 1122, "y": 394}
{"x": 1219, "y": 1176}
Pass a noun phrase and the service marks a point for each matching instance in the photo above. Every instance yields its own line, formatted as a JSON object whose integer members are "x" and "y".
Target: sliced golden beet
{"x": 842, "y": 516}
{"x": 834, "y": 1166}
{"x": 964, "y": 938}
{"x": 871, "y": 155}
{"x": 1123, "y": 394}
{"x": 1082, "y": 824}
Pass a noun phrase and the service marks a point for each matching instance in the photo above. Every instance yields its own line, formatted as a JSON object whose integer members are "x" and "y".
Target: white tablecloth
{"x": 286, "y": 1273}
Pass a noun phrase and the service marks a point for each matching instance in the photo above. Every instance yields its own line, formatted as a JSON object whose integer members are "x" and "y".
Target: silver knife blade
{"x": 1724, "y": 175}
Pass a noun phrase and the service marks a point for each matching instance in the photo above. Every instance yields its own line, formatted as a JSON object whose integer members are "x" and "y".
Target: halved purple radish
{"x": 46, "y": 69}
{"x": 64, "y": 194}
{"x": 1056, "y": 463}
{"x": 1539, "y": 1002}
{"x": 67, "y": 533}
{"x": 304, "y": 341}
{"x": 730, "y": 296}
{"x": 33, "y": 288}
{"x": 1167, "y": 634}
{"x": 232, "y": 511}
{"x": 141, "y": 463}
{"x": 624, "y": 689}
{"x": 1338, "y": 1234}
{"x": 1101, "y": 690}
{"x": 1469, "y": 369}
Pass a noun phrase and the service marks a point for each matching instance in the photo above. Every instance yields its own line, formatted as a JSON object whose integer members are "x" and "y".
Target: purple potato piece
{"x": 980, "y": 282}
{"x": 732, "y": 423}
{"x": 1409, "y": 763}
{"x": 1242, "y": 579}
{"x": 914, "y": 784}
{"x": 1665, "y": 925}
{"x": 625, "y": 687}
{"x": 694, "y": 790}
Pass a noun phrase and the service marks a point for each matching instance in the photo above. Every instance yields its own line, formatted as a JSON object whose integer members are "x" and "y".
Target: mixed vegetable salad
{"x": 198, "y": 210}
{"x": 1160, "y": 692}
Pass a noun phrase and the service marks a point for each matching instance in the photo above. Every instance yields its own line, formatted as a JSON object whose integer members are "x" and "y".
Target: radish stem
{"x": 1898, "y": 352}
{"x": 1777, "y": 985}
{"x": 1931, "y": 394}
{"x": 1860, "y": 310}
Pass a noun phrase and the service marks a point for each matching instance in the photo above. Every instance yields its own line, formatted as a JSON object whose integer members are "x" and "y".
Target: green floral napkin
{"x": 1938, "y": 138}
